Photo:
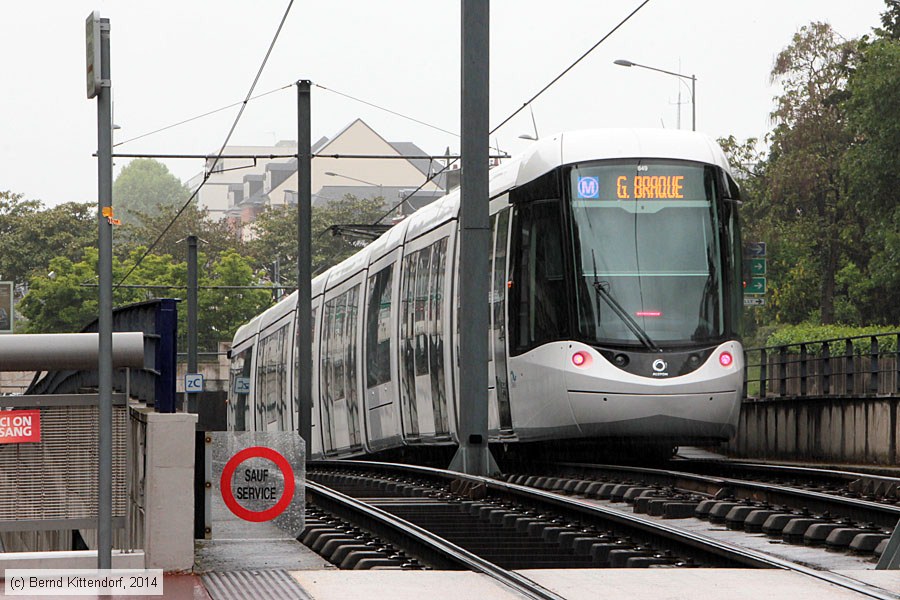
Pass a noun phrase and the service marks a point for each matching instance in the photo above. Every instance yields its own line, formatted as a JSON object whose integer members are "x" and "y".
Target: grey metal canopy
{"x": 50, "y": 351}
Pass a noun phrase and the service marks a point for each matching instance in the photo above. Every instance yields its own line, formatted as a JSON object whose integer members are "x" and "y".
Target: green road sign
{"x": 757, "y": 285}
{"x": 757, "y": 267}
{"x": 755, "y": 249}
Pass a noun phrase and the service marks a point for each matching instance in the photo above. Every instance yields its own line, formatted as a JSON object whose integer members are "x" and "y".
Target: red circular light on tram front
{"x": 581, "y": 359}
{"x": 726, "y": 359}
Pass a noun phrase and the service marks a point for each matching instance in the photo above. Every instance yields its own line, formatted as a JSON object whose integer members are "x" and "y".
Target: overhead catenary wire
{"x": 206, "y": 114}
{"x": 570, "y": 67}
{"x": 387, "y": 110}
{"x": 521, "y": 108}
{"x": 278, "y": 89}
{"x": 221, "y": 151}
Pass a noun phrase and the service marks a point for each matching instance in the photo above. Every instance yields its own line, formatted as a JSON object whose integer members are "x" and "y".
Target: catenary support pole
{"x": 304, "y": 264}
{"x": 192, "y": 283}
{"x": 105, "y": 325}
{"x": 474, "y": 456}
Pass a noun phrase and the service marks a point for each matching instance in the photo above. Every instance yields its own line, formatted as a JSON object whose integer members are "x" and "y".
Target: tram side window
{"x": 436, "y": 335}
{"x": 284, "y": 353}
{"x": 262, "y": 383}
{"x": 351, "y": 369}
{"x": 272, "y": 377}
{"x": 378, "y": 329}
{"x": 335, "y": 313}
{"x": 339, "y": 363}
{"x": 409, "y": 408}
{"x": 538, "y": 305}
{"x": 421, "y": 306}
{"x": 240, "y": 387}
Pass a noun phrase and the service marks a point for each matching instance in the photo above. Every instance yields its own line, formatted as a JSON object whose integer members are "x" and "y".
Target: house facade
{"x": 240, "y": 189}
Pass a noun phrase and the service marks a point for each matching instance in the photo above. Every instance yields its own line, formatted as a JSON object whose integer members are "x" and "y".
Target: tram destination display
{"x": 643, "y": 181}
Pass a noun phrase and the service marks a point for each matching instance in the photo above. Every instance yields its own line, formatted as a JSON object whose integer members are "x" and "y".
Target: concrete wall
{"x": 15, "y": 382}
{"x": 168, "y": 503}
{"x": 842, "y": 430}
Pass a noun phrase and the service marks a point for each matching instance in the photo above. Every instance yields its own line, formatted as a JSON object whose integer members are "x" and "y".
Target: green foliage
{"x": 890, "y": 20}
{"x": 64, "y": 303}
{"x": 215, "y": 236}
{"x": 793, "y": 335}
{"x": 825, "y": 197}
{"x": 32, "y": 235}
{"x": 223, "y": 311}
{"x": 807, "y": 189}
{"x": 276, "y": 235}
{"x": 873, "y": 169}
{"x": 143, "y": 187}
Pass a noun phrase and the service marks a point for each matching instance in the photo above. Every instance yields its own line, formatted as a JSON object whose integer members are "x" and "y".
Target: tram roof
{"x": 599, "y": 144}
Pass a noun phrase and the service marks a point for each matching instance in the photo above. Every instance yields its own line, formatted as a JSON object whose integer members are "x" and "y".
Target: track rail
{"x": 661, "y": 536}
{"x": 419, "y": 541}
{"x": 719, "y": 553}
{"x": 868, "y": 511}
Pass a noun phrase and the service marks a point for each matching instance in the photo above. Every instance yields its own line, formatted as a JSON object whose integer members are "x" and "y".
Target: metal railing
{"x": 857, "y": 366}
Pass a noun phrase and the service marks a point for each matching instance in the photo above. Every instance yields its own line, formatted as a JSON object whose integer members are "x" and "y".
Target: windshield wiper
{"x": 636, "y": 329}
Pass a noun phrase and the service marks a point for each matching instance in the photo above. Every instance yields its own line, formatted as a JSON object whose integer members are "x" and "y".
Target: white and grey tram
{"x": 616, "y": 299}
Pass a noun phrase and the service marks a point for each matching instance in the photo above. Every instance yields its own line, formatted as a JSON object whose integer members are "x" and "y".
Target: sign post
{"x": 99, "y": 86}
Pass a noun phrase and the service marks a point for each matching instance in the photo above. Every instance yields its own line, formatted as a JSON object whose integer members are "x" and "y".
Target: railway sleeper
{"x": 605, "y": 550}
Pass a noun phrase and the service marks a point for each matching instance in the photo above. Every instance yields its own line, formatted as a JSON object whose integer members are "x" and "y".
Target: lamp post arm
{"x": 682, "y": 75}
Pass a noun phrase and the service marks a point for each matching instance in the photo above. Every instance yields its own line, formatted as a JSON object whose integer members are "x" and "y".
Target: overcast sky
{"x": 175, "y": 60}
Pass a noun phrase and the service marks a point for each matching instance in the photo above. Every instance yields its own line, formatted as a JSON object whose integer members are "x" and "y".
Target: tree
{"x": 890, "y": 21}
{"x": 143, "y": 187}
{"x": 807, "y": 190}
{"x": 67, "y": 301}
{"x": 31, "y": 235}
{"x": 216, "y": 236}
{"x": 226, "y": 310}
{"x": 872, "y": 165}
{"x": 276, "y": 235}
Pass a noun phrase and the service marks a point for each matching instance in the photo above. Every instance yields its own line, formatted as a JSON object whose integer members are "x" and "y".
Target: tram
{"x": 615, "y": 310}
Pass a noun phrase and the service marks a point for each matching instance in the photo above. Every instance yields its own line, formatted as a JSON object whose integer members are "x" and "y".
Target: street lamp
{"x": 628, "y": 63}
{"x": 380, "y": 187}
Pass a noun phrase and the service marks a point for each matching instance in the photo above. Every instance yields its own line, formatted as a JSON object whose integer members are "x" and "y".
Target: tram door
{"x": 340, "y": 399}
{"x": 499, "y": 277}
{"x": 423, "y": 389}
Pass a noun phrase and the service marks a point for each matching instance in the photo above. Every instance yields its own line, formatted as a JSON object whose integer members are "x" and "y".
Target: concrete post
{"x": 169, "y": 490}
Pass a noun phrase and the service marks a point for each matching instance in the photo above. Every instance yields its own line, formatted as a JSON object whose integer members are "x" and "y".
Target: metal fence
{"x": 856, "y": 366}
{"x": 51, "y": 486}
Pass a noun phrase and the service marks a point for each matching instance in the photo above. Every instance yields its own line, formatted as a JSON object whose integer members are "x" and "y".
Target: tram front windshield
{"x": 646, "y": 250}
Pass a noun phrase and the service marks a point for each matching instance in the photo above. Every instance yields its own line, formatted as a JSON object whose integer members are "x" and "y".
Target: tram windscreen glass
{"x": 647, "y": 260}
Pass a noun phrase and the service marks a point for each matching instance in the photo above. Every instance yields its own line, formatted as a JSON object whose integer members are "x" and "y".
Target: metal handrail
{"x": 833, "y": 367}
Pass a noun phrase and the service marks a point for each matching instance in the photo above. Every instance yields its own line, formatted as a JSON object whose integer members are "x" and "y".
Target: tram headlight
{"x": 726, "y": 359}
{"x": 581, "y": 359}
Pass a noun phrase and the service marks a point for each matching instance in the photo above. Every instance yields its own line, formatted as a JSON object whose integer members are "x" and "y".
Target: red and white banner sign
{"x": 20, "y": 426}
